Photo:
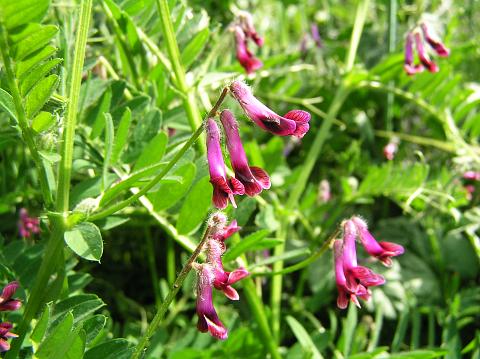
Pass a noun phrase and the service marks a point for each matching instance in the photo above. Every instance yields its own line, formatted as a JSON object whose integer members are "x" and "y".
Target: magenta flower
{"x": 345, "y": 293}
{"x": 472, "y": 175}
{"x": 254, "y": 179}
{"x": 381, "y": 250}
{"x": 429, "y": 64}
{"x": 246, "y": 23}
{"x": 352, "y": 280}
{"x": 294, "y": 122}
{"x": 409, "y": 66}
{"x": 224, "y": 187}
{"x": 225, "y": 232}
{"x": 6, "y": 301}
{"x": 434, "y": 42}
{"x": 4, "y": 335}
{"x": 248, "y": 61}
{"x": 27, "y": 225}
{"x": 208, "y": 320}
{"x": 223, "y": 280}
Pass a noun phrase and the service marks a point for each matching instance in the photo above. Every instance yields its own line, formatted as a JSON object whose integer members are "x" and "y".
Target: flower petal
{"x": 236, "y": 275}
{"x": 230, "y": 293}
{"x": 261, "y": 176}
{"x": 217, "y": 330}
{"x": 9, "y": 291}
{"x": 4, "y": 346}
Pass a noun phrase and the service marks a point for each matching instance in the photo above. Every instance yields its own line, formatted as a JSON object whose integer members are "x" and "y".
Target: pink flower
{"x": 390, "y": 149}
{"x": 6, "y": 301}
{"x": 207, "y": 316}
{"x": 223, "y": 280}
{"x": 253, "y": 179}
{"x": 470, "y": 190}
{"x": 324, "y": 193}
{"x": 381, "y": 250}
{"x": 4, "y": 335}
{"x": 27, "y": 225}
{"x": 409, "y": 66}
{"x": 352, "y": 280}
{"x": 434, "y": 42}
{"x": 225, "y": 232}
{"x": 294, "y": 122}
{"x": 472, "y": 175}
{"x": 224, "y": 187}
{"x": 246, "y": 23}
{"x": 429, "y": 64}
{"x": 248, "y": 61}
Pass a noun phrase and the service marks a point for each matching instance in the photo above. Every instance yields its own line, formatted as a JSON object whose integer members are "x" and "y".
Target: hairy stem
{"x": 189, "y": 102}
{"x": 170, "y": 296}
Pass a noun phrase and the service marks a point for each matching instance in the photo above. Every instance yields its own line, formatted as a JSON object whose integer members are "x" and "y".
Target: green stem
{"x": 258, "y": 310}
{"x": 360, "y": 17}
{"x": 170, "y": 296}
{"x": 55, "y": 243}
{"x": 65, "y": 167}
{"x": 425, "y": 141}
{"x": 392, "y": 39}
{"x": 189, "y": 102}
{"x": 22, "y": 117}
{"x": 300, "y": 265}
{"x": 312, "y": 156}
{"x": 120, "y": 205}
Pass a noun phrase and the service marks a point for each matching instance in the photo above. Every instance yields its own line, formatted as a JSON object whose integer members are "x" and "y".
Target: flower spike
{"x": 224, "y": 187}
{"x": 293, "y": 123}
{"x": 254, "y": 179}
{"x": 27, "y": 226}
{"x": 208, "y": 320}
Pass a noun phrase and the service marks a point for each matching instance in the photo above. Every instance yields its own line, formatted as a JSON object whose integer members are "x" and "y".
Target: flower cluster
{"x": 7, "y": 303}
{"x": 352, "y": 279}
{"x": 420, "y": 35}
{"x": 211, "y": 274}
{"x": 249, "y": 180}
{"x": 244, "y": 30}
{"x": 27, "y": 226}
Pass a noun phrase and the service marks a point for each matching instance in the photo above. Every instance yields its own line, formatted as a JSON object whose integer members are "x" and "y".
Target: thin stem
{"x": 258, "y": 310}
{"x": 116, "y": 207}
{"x": 392, "y": 39}
{"x": 360, "y": 17}
{"x": 170, "y": 296}
{"x": 312, "y": 258}
{"x": 425, "y": 141}
{"x": 22, "y": 117}
{"x": 190, "y": 104}
{"x": 65, "y": 167}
